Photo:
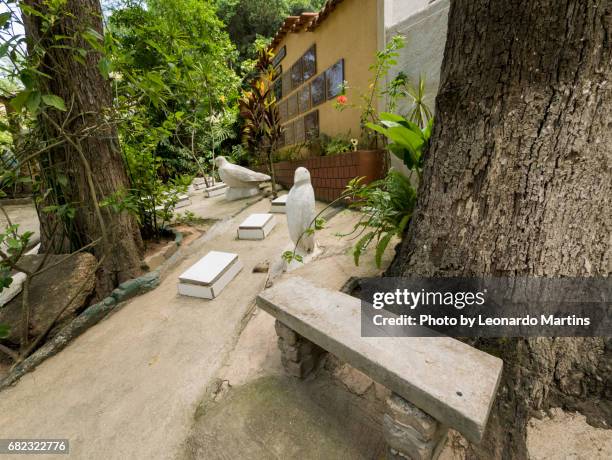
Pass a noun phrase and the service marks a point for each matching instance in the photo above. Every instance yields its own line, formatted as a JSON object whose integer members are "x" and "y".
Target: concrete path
{"x": 128, "y": 387}
{"x": 24, "y": 215}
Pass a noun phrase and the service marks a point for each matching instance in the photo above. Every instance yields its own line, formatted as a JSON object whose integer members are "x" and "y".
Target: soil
{"x": 153, "y": 246}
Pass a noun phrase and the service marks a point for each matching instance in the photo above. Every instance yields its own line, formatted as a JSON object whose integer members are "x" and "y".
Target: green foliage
{"x": 12, "y": 246}
{"x": 386, "y": 208}
{"x": 175, "y": 97}
{"x": 261, "y": 129}
{"x": 250, "y": 20}
{"x": 368, "y": 100}
{"x": 407, "y": 140}
{"x": 400, "y": 87}
{"x": 325, "y": 145}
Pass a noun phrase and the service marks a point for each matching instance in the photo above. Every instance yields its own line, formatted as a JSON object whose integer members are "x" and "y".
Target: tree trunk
{"x": 517, "y": 181}
{"x": 77, "y": 79}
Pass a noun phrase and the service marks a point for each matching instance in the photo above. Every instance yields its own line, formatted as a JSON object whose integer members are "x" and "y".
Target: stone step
{"x": 256, "y": 227}
{"x": 210, "y": 275}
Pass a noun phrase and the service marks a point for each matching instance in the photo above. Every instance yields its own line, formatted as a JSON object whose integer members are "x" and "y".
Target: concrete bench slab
{"x": 447, "y": 379}
{"x": 256, "y": 227}
{"x": 278, "y": 205}
{"x": 209, "y": 276}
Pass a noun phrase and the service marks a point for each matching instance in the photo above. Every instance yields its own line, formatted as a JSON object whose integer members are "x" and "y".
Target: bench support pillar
{"x": 410, "y": 433}
{"x": 299, "y": 356}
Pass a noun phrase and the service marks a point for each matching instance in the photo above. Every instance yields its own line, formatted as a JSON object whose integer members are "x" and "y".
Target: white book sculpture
{"x": 208, "y": 276}
{"x": 278, "y": 204}
{"x": 256, "y": 227}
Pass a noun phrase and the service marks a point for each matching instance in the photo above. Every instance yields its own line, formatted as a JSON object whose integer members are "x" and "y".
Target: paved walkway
{"x": 129, "y": 387}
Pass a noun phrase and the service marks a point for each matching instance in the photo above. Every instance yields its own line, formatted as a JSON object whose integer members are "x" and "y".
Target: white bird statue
{"x": 300, "y": 210}
{"x": 242, "y": 182}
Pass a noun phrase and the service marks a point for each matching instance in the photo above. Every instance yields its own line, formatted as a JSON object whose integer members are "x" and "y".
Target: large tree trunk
{"x": 88, "y": 98}
{"x": 517, "y": 181}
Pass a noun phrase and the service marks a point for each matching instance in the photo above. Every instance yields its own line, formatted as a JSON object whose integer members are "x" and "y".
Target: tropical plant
{"x": 368, "y": 100}
{"x": 261, "y": 130}
{"x": 401, "y": 88}
{"x": 386, "y": 207}
{"x": 325, "y": 145}
{"x": 407, "y": 140}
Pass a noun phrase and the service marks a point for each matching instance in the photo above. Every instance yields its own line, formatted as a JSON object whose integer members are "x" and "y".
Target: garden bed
{"x": 331, "y": 174}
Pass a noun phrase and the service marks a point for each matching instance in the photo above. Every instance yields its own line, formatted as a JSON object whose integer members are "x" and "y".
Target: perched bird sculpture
{"x": 242, "y": 182}
{"x": 300, "y": 210}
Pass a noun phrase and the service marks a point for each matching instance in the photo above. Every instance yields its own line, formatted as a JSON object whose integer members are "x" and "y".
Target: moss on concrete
{"x": 281, "y": 417}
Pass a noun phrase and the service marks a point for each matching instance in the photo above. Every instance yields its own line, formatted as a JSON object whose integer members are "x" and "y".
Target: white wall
{"x": 424, "y": 24}
{"x": 398, "y": 10}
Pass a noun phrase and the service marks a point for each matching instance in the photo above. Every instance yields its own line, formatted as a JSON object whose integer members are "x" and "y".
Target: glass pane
{"x": 311, "y": 124}
{"x": 278, "y": 89}
{"x": 286, "y": 83}
{"x": 304, "y": 99}
{"x": 309, "y": 64}
{"x": 334, "y": 77}
{"x": 317, "y": 90}
{"x": 289, "y": 134}
{"x": 296, "y": 74}
{"x": 292, "y": 108}
{"x": 300, "y": 135}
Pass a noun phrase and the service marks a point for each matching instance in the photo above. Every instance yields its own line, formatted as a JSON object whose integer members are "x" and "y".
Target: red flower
{"x": 342, "y": 99}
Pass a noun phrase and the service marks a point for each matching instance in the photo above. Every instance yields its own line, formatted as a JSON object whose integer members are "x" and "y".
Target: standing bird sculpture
{"x": 242, "y": 182}
{"x": 300, "y": 210}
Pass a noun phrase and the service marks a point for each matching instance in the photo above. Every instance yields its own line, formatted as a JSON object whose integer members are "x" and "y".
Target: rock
{"x": 356, "y": 381}
{"x": 50, "y": 291}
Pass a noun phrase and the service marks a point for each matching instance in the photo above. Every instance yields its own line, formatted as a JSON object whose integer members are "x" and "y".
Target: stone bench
{"x": 436, "y": 382}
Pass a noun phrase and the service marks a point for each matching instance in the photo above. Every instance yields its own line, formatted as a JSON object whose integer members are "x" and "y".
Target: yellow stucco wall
{"x": 349, "y": 32}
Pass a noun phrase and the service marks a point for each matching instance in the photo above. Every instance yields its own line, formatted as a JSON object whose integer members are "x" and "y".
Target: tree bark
{"x": 76, "y": 78}
{"x": 517, "y": 181}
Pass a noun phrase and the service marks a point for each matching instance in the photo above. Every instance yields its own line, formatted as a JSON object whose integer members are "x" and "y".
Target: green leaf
{"x": 33, "y": 101}
{"x": 391, "y": 117}
{"x": 4, "y": 49}
{"x": 54, "y": 101}
{"x": 5, "y": 18}
{"x": 377, "y": 128}
{"x": 381, "y": 246}
{"x": 428, "y": 129}
{"x": 18, "y": 102}
{"x": 361, "y": 246}
{"x": 104, "y": 65}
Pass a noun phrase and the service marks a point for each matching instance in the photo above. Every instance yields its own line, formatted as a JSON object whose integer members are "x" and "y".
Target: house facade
{"x": 317, "y": 52}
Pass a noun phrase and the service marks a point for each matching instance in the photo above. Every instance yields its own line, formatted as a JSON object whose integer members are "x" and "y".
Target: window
{"x": 278, "y": 89}
{"x": 279, "y": 56}
{"x": 289, "y": 134}
{"x": 292, "y": 106}
{"x": 296, "y": 74}
{"x": 300, "y": 134}
{"x": 317, "y": 90}
{"x": 311, "y": 124}
{"x": 334, "y": 78}
{"x": 282, "y": 111}
{"x": 304, "y": 99}
{"x": 309, "y": 63}
{"x": 286, "y": 83}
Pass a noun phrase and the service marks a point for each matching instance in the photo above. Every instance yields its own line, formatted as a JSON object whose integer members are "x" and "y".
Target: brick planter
{"x": 330, "y": 175}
